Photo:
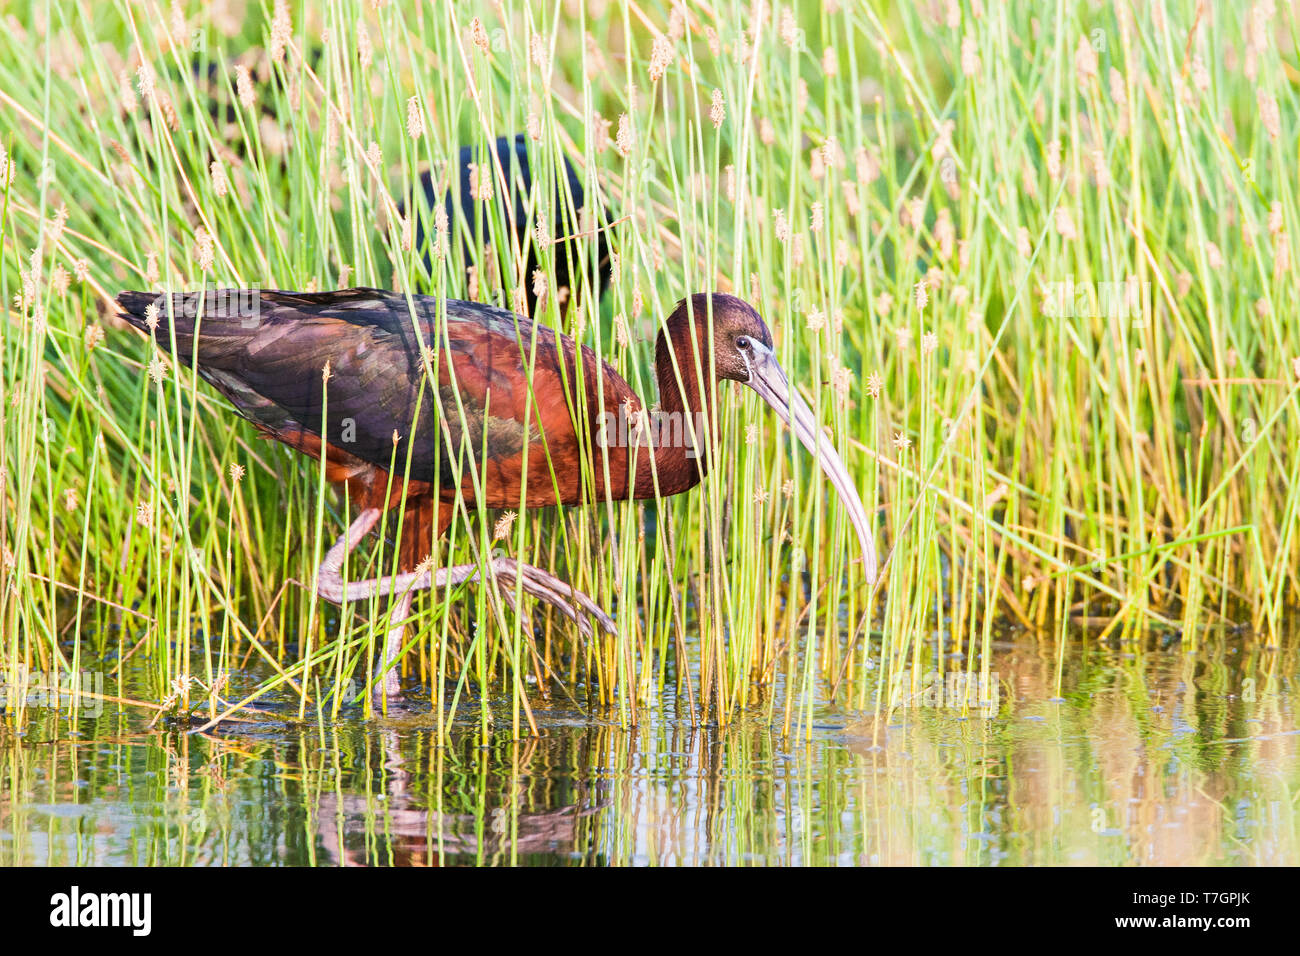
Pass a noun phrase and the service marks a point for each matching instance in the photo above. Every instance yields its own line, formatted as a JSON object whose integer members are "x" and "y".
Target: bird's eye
{"x": 742, "y": 343}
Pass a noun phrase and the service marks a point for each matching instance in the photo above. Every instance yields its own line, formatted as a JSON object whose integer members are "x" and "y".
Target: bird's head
{"x": 742, "y": 351}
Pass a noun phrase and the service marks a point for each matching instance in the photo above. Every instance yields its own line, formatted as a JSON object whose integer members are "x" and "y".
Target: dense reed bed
{"x": 1031, "y": 264}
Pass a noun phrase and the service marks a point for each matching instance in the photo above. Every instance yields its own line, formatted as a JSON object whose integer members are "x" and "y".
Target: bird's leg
{"x": 329, "y": 579}
{"x": 542, "y": 585}
{"x": 393, "y": 642}
{"x": 331, "y": 587}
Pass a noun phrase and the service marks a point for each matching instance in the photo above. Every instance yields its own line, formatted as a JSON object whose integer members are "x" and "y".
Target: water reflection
{"x": 1148, "y": 756}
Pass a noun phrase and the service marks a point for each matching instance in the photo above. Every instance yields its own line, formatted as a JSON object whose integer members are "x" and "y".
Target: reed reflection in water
{"x": 1148, "y": 757}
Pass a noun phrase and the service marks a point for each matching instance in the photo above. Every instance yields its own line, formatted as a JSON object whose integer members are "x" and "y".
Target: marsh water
{"x": 1152, "y": 754}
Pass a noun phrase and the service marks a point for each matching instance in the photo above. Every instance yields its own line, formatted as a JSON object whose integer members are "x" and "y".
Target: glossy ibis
{"x": 476, "y": 435}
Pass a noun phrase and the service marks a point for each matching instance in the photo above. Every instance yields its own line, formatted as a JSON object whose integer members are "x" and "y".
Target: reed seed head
{"x": 661, "y": 57}
{"x": 866, "y": 166}
{"x": 1269, "y": 114}
{"x": 60, "y": 280}
{"x": 1053, "y": 159}
{"x": 970, "y": 59}
{"x": 1275, "y": 222}
{"x": 144, "y": 81}
{"x": 1065, "y": 224}
{"x": 1200, "y": 73}
{"x": 842, "y": 382}
{"x": 365, "y": 49}
{"x": 244, "y": 87}
{"x": 676, "y": 22}
{"x": 414, "y": 118}
{"x": 1085, "y": 62}
{"x": 480, "y": 181}
{"x": 126, "y": 98}
{"x": 780, "y": 225}
{"x": 1024, "y": 246}
{"x": 478, "y": 35}
{"x": 789, "y": 27}
{"x": 281, "y": 30}
{"x": 1213, "y": 257}
{"x": 717, "y": 112}
{"x": 1100, "y": 169}
{"x": 220, "y": 181}
{"x": 945, "y": 233}
{"x": 626, "y": 135}
{"x": 712, "y": 39}
{"x": 203, "y": 249}
{"x": 816, "y": 166}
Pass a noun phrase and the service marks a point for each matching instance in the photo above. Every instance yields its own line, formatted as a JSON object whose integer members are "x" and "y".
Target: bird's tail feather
{"x": 134, "y": 305}
{"x": 219, "y": 312}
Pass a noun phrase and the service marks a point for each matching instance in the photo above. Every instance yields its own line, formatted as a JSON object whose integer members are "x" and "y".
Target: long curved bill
{"x": 768, "y": 379}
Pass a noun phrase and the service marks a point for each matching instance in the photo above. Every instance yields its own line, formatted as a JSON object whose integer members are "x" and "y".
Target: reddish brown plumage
{"x": 369, "y": 486}
{"x": 535, "y": 452}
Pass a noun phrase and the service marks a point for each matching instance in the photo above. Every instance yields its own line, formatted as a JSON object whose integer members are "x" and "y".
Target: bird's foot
{"x": 548, "y": 588}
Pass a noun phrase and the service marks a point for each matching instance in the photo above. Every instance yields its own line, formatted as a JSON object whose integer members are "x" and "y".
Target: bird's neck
{"x": 685, "y": 426}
